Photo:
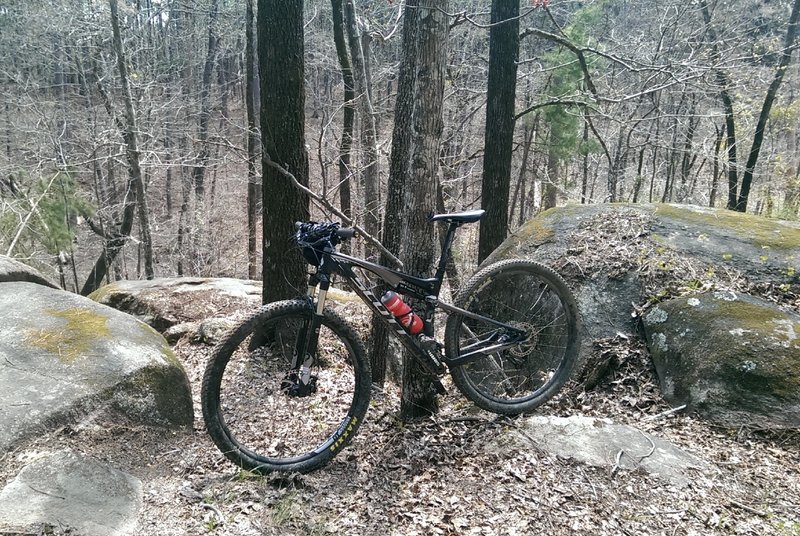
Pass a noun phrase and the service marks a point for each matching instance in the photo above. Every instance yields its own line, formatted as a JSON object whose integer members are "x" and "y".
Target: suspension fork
{"x": 308, "y": 338}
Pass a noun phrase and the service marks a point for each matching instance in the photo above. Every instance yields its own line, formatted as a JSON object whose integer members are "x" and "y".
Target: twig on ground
{"x": 616, "y": 462}
{"x": 652, "y": 447}
{"x": 216, "y": 511}
{"x": 746, "y": 508}
{"x": 664, "y": 413}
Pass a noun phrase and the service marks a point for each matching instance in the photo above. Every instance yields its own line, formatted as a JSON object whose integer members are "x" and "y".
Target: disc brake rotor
{"x": 526, "y": 347}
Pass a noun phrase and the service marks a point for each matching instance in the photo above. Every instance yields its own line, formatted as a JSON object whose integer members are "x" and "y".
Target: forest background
{"x": 130, "y": 132}
{"x": 614, "y": 101}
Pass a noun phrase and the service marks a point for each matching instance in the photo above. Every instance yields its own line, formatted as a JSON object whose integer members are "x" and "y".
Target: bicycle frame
{"x": 425, "y": 290}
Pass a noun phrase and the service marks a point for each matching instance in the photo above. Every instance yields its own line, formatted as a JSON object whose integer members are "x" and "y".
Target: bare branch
{"x": 325, "y": 204}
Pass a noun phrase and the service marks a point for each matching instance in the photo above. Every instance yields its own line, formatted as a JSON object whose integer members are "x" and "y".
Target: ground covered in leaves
{"x": 441, "y": 476}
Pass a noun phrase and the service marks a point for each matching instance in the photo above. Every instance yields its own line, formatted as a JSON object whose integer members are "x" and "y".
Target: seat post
{"x": 445, "y": 256}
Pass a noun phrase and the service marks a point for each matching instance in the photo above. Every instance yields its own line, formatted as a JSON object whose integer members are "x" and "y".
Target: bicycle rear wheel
{"x": 252, "y": 418}
{"x": 530, "y": 297}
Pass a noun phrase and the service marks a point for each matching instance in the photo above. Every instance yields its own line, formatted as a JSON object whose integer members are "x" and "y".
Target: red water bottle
{"x": 402, "y": 312}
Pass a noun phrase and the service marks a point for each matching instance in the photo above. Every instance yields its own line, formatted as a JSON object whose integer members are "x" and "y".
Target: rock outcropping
{"x": 64, "y": 357}
{"x": 621, "y": 260}
{"x": 732, "y": 358}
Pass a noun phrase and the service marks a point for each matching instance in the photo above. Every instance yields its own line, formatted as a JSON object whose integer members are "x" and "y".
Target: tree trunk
{"x": 727, "y": 106}
{"x": 712, "y": 196}
{"x": 349, "y": 109}
{"x": 135, "y": 192}
{"x": 519, "y": 191}
{"x": 499, "y": 134}
{"x": 368, "y": 133}
{"x": 253, "y": 190}
{"x": 199, "y": 170}
{"x": 549, "y": 195}
{"x": 281, "y": 73}
{"x": 772, "y": 91}
{"x": 399, "y": 170}
{"x": 585, "y": 164}
{"x": 418, "y": 253}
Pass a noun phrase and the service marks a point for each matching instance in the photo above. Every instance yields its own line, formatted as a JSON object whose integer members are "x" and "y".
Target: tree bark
{"x": 499, "y": 134}
{"x": 281, "y": 73}
{"x": 369, "y": 177}
{"x": 349, "y": 109}
{"x": 399, "y": 170}
{"x": 418, "y": 253}
{"x": 772, "y": 91}
{"x": 253, "y": 189}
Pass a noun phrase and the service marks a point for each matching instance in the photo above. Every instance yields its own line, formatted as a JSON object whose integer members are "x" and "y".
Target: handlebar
{"x": 314, "y": 231}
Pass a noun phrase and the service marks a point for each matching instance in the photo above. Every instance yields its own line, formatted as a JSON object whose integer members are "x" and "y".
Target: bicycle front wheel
{"x": 527, "y": 296}
{"x": 257, "y": 422}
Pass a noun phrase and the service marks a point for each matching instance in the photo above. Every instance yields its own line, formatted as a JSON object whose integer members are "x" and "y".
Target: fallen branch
{"x": 746, "y": 508}
{"x": 665, "y": 413}
{"x": 328, "y": 206}
{"x": 652, "y": 447}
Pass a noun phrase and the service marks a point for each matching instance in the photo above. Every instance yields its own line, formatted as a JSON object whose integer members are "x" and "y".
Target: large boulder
{"x": 166, "y": 302}
{"x": 732, "y": 358}
{"x": 621, "y": 259}
{"x": 617, "y": 257}
{"x": 63, "y": 357}
{"x": 199, "y": 309}
{"x": 13, "y": 270}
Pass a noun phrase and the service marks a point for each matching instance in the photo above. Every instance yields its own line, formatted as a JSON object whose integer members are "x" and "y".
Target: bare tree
{"x": 412, "y": 195}
{"x": 253, "y": 187}
{"x": 499, "y": 134}
{"x": 363, "y": 95}
{"x": 769, "y": 99}
{"x": 135, "y": 197}
{"x": 346, "y": 144}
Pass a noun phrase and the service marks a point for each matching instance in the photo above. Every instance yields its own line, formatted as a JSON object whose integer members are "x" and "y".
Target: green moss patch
{"x": 77, "y": 332}
{"x": 762, "y": 232}
{"x": 103, "y": 291}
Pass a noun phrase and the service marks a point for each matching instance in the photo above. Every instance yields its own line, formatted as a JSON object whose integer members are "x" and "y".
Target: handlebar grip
{"x": 346, "y": 233}
{"x": 297, "y": 225}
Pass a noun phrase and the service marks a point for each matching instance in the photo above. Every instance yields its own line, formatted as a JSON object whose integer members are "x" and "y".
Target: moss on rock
{"x": 759, "y": 231}
{"x": 78, "y": 330}
{"x": 730, "y": 357}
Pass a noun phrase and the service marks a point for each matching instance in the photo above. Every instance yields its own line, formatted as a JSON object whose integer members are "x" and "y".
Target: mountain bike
{"x": 288, "y": 388}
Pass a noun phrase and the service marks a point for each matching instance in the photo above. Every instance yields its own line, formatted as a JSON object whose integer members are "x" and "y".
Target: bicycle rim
{"x": 259, "y": 425}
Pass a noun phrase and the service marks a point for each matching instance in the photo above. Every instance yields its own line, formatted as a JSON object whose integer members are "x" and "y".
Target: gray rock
{"x": 601, "y": 443}
{"x": 620, "y": 258}
{"x": 13, "y": 270}
{"x": 209, "y": 331}
{"x": 731, "y": 358}
{"x": 165, "y": 302}
{"x": 212, "y": 330}
{"x": 614, "y": 256}
{"x": 63, "y": 357}
{"x": 176, "y": 332}
{"x": 65, "y": 489}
